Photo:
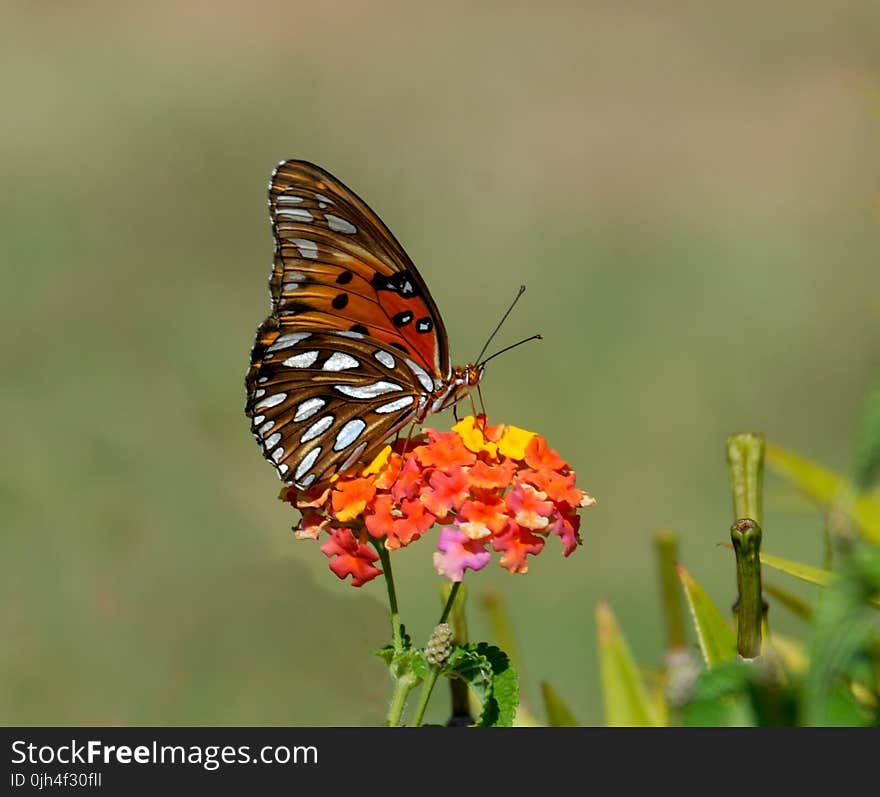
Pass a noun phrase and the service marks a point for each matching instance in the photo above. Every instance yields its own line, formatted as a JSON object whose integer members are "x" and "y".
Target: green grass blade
{"x": 795, "y": 604}
{"x": 867, "y": 465}
{"x": 808, "y": 573}
{"x": 558, "y": 713}
{"x": 826, "y": 487}
{"x": 626, "y": 699}
{"x": 717, "y": 639}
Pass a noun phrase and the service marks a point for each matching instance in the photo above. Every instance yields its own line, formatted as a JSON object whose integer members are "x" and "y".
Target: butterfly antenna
{"x": 520, "y": 292}
{"x": 511, "y": 346}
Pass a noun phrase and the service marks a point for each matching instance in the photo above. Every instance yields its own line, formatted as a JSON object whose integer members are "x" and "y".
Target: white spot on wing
{"x": 283, "y": 468}
{"x": 385, "y": 358}
{"x": 398, "y": 404}
{"x": 288, "y": 340}
{"x": 338, "y": 224}
{"x": 297, "y": 214}
{"x": 271, "y": 401}
{"x": 306, "y": 465}
{"x": 321, "y": 425}
{"x": 308, "y": 480}
{"x": 346, "y": 333}
{"x": 304, "y": 360}
{"x": 421, "y": 375}
{"x": 323, "y": 201}
{"x": 288, "y": 199}
{"x": 349, "y": 433}
{"x": 308, "y": 249}
{"x": 368, "y": 391}
{"x": 266, "y": 427}
{"x": 278, "y": 454}
{"x": 258, "y": 419}
{"x": 339, "y": 362}
{"x": 259, "y": 393}
{"x": 274, "y": 440}
{"x": 308, "y": 408}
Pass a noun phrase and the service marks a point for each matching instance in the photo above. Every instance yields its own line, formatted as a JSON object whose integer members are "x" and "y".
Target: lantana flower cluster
{"x": 490, "y": 489}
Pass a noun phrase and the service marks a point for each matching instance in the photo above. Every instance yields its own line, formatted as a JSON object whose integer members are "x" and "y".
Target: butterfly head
{"x": 471, "y": 375}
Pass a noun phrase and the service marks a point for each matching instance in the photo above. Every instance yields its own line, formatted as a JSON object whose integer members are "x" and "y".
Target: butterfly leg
{"x": 482, "y": 403}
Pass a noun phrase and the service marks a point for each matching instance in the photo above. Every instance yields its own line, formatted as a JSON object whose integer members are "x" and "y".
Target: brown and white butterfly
{"x": 354, "y": 347}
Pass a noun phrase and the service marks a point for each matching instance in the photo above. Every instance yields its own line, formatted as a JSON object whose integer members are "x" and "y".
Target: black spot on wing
{"x": 400, "y": 283}
{"x": 340, "y": 301}
{"x": 402, "y": 318}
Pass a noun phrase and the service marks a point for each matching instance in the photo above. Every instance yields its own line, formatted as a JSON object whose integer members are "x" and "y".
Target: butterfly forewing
{"x": 337, "y": 266}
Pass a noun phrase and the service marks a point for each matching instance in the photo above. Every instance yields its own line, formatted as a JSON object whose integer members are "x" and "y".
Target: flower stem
{"x": 402, "y": 688}
{"x": 458, "y": 689}
{"x": 385, "y": 558}
{"x": 449, "y": 601}
{"x": 403, "y": 683}
{"x": 428, "y": 685}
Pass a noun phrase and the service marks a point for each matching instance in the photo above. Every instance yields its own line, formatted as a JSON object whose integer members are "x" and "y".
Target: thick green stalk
{"x": 746, "y": 537}
{"x": 745, "y": 461}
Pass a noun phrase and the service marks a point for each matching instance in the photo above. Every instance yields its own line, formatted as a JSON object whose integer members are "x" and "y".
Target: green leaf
{"x": 844, "y": 644}
{"x": 717, "y": 639}
{"x": 488, "y": 671}
{"x": 558, "y": 713}
{"x": 826, "y": 487}
{"x": 419, "y": 664}
{"x": 818, "y": 482}
{"x": 795, "y": 604}
{"x": 808, "y": 573}
{"x": 867, "y": 464}
{"x": 737, "y": 693}
{"x": 626, "y": 700}
{"x": 387, "y": 653}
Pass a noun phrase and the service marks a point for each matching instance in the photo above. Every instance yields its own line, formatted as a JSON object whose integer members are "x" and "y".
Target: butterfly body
{"x": 354, "y": 347}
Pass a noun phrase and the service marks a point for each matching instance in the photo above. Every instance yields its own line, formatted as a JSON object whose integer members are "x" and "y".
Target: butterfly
{"x": 354, "y": 347}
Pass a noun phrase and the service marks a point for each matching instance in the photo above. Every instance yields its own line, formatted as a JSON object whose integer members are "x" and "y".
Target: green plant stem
{"x": 425, "y": 695}
{"x": 666, "y": 543}
{"x": 746, "y": 537}
{"x": 449, "y": 601}
{"x": 402, "y": 687}
{"x": 745, "y": 461}
{"x": 459, "y": 693}
{"x": 385, "y": 558}
{"x": 404, "y": 683}
{"x": 431, "y": 680}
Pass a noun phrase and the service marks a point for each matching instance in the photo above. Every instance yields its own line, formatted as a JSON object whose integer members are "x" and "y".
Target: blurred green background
{"x": 690, "y": 193}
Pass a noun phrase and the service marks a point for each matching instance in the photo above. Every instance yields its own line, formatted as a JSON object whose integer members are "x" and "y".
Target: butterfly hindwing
{"x": 319, "y": 401}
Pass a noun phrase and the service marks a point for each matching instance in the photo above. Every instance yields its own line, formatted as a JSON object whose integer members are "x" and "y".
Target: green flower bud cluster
{"x": 439, "y": 645}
